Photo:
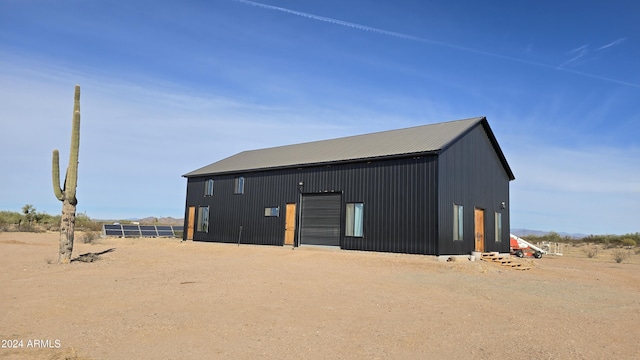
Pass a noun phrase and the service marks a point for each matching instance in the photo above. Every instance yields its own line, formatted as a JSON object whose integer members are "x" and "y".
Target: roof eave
{"x": 307, "y": 165}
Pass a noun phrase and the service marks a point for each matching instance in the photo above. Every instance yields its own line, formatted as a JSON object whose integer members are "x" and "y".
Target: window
{"x": 272, "y": 211}
{"x": 239, "y": 185}
{"x": 203, "y": 219}
{"x": 498, "y": 222}
{"x": 458, "y": 222}
{"x": 208, "y": 190}
{"x": 355, "y": 212}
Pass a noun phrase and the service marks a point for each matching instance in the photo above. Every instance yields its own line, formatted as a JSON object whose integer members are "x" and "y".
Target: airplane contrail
{"x": 429, "y": 41}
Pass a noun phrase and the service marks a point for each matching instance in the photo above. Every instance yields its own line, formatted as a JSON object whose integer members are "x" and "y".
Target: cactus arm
{"x": 56, "y": 175}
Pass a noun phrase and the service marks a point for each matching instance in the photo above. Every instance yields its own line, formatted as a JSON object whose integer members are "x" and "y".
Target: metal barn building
{"x": 439, "y": 189}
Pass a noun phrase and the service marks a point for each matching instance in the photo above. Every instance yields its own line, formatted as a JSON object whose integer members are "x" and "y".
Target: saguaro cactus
{"x": 67, "y": 194}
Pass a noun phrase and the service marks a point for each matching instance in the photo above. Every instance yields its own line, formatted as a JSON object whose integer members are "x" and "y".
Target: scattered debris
{"x": 91, "y": 257}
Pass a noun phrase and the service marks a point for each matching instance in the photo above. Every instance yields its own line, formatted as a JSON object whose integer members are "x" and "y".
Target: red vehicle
{"x": 521, "y": 248}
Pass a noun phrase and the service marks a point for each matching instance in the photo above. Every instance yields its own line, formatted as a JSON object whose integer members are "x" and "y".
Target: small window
{"x": 203, "y": 219}
{"x": 239, "y": 185}
{"x": 498, "y": 222}
{"x": 272, "y": 211}
{"x": 458, "y": 222}
{"x": 354, "y": 220}
{"x": 208, "y": 191}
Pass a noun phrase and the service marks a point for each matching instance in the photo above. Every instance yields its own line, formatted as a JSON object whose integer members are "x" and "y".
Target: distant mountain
{"x": 160, "y": 220}
{"x": 151, "y": 220}
{"x": 525, "y": 232}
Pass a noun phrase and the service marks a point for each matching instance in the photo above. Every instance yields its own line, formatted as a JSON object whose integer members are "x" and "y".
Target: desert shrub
{"x": 612, "y": 240}
{"x": 591, "y": 251}
{"x": 628, "y": 242}
{"x": 29, "y": 221}
{"x": 619, "y": 255}
{"x": 49, "y": 222}
{"x": 10, "y": 217}
{"x": 89, "y": 237}
{"x": 84, "y": 222}
{"x": 26, "y": 227}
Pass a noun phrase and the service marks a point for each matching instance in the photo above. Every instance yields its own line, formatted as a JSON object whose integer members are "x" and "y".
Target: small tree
{"x": 29, "y": 213}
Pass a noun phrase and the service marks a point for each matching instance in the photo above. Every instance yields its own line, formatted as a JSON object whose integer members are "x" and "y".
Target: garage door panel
{"x": 321, "y": 220}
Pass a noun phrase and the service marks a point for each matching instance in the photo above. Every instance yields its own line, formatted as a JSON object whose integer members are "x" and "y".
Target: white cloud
{"x": 613, "y": 43}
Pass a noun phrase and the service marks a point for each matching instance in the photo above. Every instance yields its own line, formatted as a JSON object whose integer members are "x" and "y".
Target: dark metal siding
{"x": 408, "y": 202}
{"x": 399, "y": 196}
{"x": 471, "y": 174}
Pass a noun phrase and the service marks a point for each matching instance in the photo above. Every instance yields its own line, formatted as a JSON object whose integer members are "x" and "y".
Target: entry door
{"x": 479, "y": 234}
{"x": 290, "y": 224}
{"x": 191, "y": 223}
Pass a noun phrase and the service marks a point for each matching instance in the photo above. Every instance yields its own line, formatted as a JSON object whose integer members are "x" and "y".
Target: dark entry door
{"x": 320, "y": 223}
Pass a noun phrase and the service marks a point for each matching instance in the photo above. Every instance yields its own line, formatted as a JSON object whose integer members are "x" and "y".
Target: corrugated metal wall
{"x": 399, "y": 199}
{"x": 472, "y": 175}
{"x": 406, "y": 209}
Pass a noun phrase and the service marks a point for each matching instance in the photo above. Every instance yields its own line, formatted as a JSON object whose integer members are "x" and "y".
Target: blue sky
{"x": 171, "y": 86}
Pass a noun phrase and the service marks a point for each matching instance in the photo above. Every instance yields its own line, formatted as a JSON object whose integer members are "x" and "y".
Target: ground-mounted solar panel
{"x": 112, "y": 230}
{"x": 148, "y": 231}
{"x": 165, "y": 231}
{"x": 129, "y": 230}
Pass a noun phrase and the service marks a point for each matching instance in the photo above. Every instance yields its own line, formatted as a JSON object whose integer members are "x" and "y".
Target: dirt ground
{"x": 163, "y": 299}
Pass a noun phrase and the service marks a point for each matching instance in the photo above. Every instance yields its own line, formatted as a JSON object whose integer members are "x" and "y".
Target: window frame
{"x": 203, "y": 219}
{"x": 238, "y": 185}
{"x": 208, "y": 187}
{"x": 272, "y": 211}
{"x": 354, "y": 219}
{"x": 458, "y": 222}
{"x": 498, "y": 226}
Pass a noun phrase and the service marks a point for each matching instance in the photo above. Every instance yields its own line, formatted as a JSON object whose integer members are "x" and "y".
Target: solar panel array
{"x": 127, "y": 230}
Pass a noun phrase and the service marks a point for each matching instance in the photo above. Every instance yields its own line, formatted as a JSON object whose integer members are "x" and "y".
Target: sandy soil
{"x": 163, "y": 299}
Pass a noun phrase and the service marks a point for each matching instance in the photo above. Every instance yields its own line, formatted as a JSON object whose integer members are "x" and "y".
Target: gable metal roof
{"x": 414, "y": 140}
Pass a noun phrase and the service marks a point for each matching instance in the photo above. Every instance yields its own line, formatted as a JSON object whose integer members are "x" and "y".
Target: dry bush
{"x": 629, "y": 243}
{"x": 619, "y": 255}
{"x": 591, "y": 251}
{"x": 89, "y": 237}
